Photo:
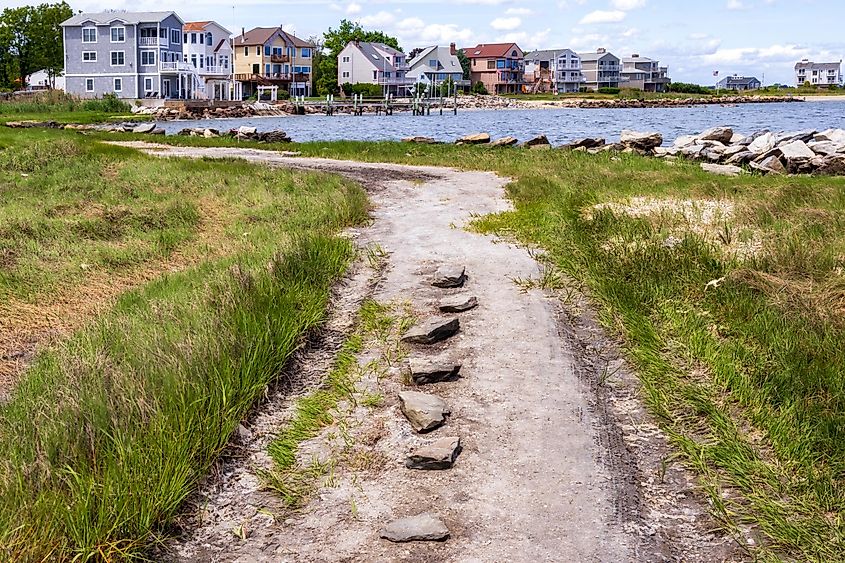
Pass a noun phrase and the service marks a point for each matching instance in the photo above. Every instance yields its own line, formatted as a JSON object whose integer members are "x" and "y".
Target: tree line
{"x": 31, "y": 40}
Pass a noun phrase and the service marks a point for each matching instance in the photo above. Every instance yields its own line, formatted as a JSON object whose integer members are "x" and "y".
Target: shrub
{"x": 109, "y": 103}
{"x": 687, "y": 88}
{"x": 478, "y": 88}
{"x": 613, "y": 91}
{"x": 368, "y": 90}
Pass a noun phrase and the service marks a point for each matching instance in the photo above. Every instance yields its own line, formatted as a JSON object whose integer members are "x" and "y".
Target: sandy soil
{"x": 560, "y": 460}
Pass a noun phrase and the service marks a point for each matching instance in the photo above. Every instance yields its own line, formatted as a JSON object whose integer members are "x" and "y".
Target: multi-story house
{"x": 269, "y": 56}
{"x": 128, "y": 54}
{"x": 553, "y": 70}
{"x": 499, "y": 66}
{"x": 642, "y": 73}
{"x": 601, "y": 69}
{"x": 436, "y": 65}
{"x": 737, "y": 82}
{"x": 207, "y": 48}
{"x": 374, "y": 63}
{"x": 818, "y": 74}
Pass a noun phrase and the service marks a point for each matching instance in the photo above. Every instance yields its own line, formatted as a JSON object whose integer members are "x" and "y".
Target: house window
{"x": 267, "y": 50}
{"x": 201, "y": 61}
{"x": 118, "y": 84}
{"x": 193, "y": 38}
{"x": 306, "y": 53}
{"x": 89, "y": 34}
{"x": 432, "y": 63}
{"x": 375, "y": 75}
{"x": 89, "y": 84}
{"x": 208, "y": 39}
{"x": 185, "y": 38}
{"x": 194, "y": 60}
{"x": 224, "y": 61}
{"x": 175, "y": 36}
{"x": 148, "y": 85}
{"x": 148, "y": 58}
{"x": 162, "y": 33}
{"x": 346, "y": 59}
{"x": 267, "y": 68}
{"x": 118, "y": 58}
{"x": 246, "y": 51}
{"x": 346, "y": 75}
{"x": 89, "y": 56}
{"x": 118, "y": 34}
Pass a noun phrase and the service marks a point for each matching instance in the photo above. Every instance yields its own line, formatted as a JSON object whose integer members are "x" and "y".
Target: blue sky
{"x": 693, "y": 38}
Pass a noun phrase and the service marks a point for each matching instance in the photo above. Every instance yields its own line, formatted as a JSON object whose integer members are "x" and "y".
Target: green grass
{"x": 63, "y": 108}
{"x": 745, "y": 377}
{"x": 110, "y": 429}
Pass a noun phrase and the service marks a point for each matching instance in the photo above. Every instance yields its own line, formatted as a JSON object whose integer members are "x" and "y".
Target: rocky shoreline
{"x": 468, "y": 102}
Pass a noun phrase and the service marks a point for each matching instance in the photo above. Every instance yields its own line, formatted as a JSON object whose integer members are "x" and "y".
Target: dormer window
{"x": 118, "y": 34}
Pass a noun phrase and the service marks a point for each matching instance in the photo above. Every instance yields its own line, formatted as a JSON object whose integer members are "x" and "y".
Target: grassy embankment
{"x": 63, "y": 108}
{"x": 185, "y": 286}
{"x": 729, "y": 294}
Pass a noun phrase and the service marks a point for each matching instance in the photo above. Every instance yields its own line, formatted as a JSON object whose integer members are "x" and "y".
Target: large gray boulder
{"x": 440, "y": 454}
{"x": 587, "y": 143}
{"x": 504, "y": 142}
{"x": 763, "y": 143}
{"x": 432, "y": 331}
{"x": 721, "y": 134}
{"x": 684, "y": 141}
{"x": 424, "y": 412}
{"x": 796, "y": 149}
{"x": 424, "y": 371}
{"x": 721, "y": 169}
{"x": 458, "y": 303}
{"x": 144, "y": 128}
{"x": 422, "y": 527}
{"x": 740, "y": 158}
{"x": 834, "y": 135}
{"x": 826, "y": 148}
{"x": 449, "y": 276}
{"x": 833, "y": 165}
{"x": 639, "y": 140}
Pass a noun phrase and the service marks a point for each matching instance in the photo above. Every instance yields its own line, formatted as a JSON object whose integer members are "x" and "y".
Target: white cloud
{"x": 603, "y": 16}
{"x": 735, "y": 5}
{"x": 505, "y": 24}
{"x": 518, "y": 12}
{"x": 627, "y": 5}
{"x": 353, "y": 8}
{"x": 379, "y": 19}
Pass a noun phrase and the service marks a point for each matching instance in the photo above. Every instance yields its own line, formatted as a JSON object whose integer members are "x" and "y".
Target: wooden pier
{"x": 359, "y": 105}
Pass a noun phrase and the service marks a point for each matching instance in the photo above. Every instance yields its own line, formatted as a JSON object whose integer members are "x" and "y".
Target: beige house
{"x": 600, "y": 69}
{"x": 642, "y": 73}
{"x": 271, "y": 57}
{"x": 499, "y": 66}
{"x": 374, "y": 63}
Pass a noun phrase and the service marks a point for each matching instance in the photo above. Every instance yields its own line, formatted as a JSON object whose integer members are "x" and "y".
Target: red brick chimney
{"x": 452, "y": 49}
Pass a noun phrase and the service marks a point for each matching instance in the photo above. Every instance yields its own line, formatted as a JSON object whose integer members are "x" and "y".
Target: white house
{"x": 206, "y": 47}
{"x": 41, "y": 80}
{"x": 818, "y": 74}
{"x": 553, "y": 70}
{"x": 374, "y": 63}
{"x": 435, "y": 65}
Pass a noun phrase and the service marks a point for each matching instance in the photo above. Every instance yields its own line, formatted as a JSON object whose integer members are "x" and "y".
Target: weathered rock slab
{"x": 641, "y": 140}
{"x": 796, "y": 149}
{"x": 474, "y": 139}
{"x": 504, "y": 142}
{"x": 419, "y": 140}
{"x": 424, "y": 371}
{"x": 449, "y": 276}
{"x": 425, "y": 412}
{"x": 144, "y": 128}
{"x": 432, "y": 331}
{"x": 438, "y": 455}
{"x": 721, "y": 169}
{"x": 458, "y": 303}
{"x": 721, "y": 134}
{"x": 540, "y": 140}
{"x": 422, "y": 527}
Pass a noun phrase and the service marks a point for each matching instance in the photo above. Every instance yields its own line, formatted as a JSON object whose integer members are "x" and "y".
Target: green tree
{"x": 30, "y": 40}
{"x": 465, "y": 65}
{"x": 334, "y": 40}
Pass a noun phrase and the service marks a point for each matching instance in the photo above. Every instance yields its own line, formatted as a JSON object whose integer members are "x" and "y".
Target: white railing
{"x": 396, "y": 81}
{"x": 152, "y": 42}
{"x": 176, "y": 67}
{"x": 214, "y": 70}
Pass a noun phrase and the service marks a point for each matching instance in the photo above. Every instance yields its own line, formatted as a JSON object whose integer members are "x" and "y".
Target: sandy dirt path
{"x": 552, "y": 468}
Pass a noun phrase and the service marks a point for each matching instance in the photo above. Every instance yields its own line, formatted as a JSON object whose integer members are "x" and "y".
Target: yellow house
{"x": 269, "y": 56}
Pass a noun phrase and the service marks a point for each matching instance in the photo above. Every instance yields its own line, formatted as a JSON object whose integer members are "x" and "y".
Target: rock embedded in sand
{"x": 505, "y": 142}
{"x": 438, "y": 455}
{"x": 474, "y": 139}
{"x": 422, "y": 527}
{"x": 458, "y": 303}
{"x": 449, "y": 276}
{"x": 432, "y": 331}
{"x": 425, "y": 371}
{"x": 425, "y": 412}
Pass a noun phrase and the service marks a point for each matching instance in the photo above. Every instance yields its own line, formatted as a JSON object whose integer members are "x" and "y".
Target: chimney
{"x": 601, "y": 51}
{"x": 243, "y": 32}
{"x": 635, "y": 55}
{"x": 452, "y": 49}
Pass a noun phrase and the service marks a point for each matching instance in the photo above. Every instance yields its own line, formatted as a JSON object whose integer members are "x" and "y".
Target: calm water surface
{"x": 560, "y": 125}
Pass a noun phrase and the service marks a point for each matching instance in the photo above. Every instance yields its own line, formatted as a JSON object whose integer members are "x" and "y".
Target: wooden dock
{"x": 359, "y": 105}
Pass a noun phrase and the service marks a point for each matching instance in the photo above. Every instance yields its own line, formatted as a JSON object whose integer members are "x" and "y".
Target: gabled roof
{"x": 373, "y": 54}
{"x": 105, "y": 18}
{"x": 638, "y": 60}
{"x": 195, "y": 26}
{"x": 739, "y": 79}
{"x": 447, "y": 62}
{"x": 547, "y": 54}
{"x": 486, "y": 50}
{"x": 587, "y": 57}
{"x": 818, "y": 66}
{"x": 261, "y": 35}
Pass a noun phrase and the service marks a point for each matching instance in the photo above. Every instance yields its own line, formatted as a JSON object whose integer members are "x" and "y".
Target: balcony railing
{"x": 153, "y": 42}
{"x": 279, "y": 59}
{"x": 214, "y": 70}
{"x": 176, "y": 67}
{"x": 392, "y": 81}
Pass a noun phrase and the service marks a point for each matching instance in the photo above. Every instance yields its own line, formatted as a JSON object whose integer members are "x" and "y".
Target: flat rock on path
{"x": 458, "y": 304}
{"x": 438, "y": 455}
{"x": 449, "y": 276}
{"x": 422, "y": 527}
{"x": 432, "y": 331}
{"x": 425, "y": 412}
{"x": 424, "y": 370}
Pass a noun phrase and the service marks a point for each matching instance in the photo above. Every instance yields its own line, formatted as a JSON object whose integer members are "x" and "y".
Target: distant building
{"x": 41, "y": 80}
{"x": 822, "y": 75}
{"x": 499, "y": 66}
{"x": 736, "y": 82}
{"x": 374, "y": 63}
{"x": 208, "y": 49}
{"x": 553, "y": 70}
{"x": 435, "y": 65}
{"x": 270, "y": 57}
{"x": 601, "y": 69}
{"x": 642, "y": 73}
{"x": 128, "y": 54}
